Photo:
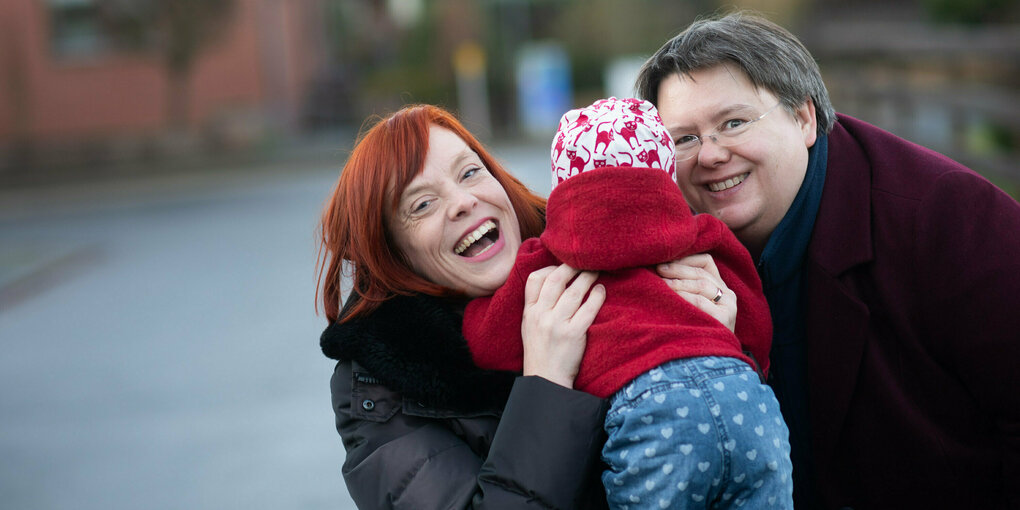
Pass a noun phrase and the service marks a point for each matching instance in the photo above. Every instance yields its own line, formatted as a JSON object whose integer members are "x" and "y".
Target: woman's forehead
{"x": 708, "y": 95}
{"x": 445, "y": 147}
{"x": 446, "y": 155}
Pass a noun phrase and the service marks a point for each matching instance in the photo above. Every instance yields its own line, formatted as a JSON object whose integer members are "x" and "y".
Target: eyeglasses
{"x": 730, "y": 133}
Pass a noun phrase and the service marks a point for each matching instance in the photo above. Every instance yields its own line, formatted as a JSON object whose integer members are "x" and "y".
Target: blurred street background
{"x": 163, "y": 164}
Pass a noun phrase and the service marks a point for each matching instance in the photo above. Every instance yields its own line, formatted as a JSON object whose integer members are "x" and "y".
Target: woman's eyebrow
{"x": 413, "y": 189}
{"x": 716, "y": 117}
{"x": 464, "y": 155}
{"x": 734, "y": 108}
{"x": 457, "y": 163}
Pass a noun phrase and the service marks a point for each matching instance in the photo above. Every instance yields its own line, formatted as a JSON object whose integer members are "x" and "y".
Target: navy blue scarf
{"x": 781, "y": 269}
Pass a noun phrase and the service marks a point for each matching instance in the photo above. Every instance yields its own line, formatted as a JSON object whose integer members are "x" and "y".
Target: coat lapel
{"x": 838, "y": 320}
{"x": 835, "y": 348}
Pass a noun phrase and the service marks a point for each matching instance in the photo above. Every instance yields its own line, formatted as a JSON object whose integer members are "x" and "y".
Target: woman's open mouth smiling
{"x": 728, "y": 183}
{"x": 478, "y": 241}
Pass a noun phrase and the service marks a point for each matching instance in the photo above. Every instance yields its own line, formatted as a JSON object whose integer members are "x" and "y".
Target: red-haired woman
{"x": 423, "y": 219}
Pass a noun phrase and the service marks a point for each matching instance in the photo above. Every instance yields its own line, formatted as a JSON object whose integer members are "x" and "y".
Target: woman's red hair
{"x": 355, "y": 241}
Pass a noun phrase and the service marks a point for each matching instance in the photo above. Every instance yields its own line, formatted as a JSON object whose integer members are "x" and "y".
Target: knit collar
{"x": 787, "y": 245}
{"x": 413, "y": 344}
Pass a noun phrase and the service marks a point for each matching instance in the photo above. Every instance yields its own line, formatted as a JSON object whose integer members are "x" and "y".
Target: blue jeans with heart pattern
{"x": 697, "y": 433}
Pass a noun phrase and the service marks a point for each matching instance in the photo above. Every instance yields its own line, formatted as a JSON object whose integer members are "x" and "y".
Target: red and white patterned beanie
{"x": 611, "y": 132}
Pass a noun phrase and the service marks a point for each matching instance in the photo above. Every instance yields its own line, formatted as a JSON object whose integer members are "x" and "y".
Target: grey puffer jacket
{"x": 425, "y": 428}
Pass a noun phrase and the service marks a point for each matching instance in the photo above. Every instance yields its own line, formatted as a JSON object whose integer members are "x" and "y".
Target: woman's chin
{"x": 489, "y": 279}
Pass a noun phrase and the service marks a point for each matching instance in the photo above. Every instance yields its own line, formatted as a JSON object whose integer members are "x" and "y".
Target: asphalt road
{"x": 159, "y": 344}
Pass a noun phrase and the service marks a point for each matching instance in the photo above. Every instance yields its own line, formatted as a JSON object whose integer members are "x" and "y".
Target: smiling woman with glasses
{"x": 891, "y": 273}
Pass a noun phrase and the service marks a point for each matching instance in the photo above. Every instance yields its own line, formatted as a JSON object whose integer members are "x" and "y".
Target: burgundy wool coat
{"x": 913, "y": 330}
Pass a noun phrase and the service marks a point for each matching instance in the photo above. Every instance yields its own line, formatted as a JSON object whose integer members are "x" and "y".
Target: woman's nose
{"x": 711, "y": 153}
{"x": 461, "y": 203}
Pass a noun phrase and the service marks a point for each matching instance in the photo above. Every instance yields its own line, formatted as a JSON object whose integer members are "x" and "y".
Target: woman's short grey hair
{"x": 769, "y": 55}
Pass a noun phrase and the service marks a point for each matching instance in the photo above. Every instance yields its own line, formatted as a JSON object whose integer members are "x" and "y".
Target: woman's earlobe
{"x": 808, "y": 122}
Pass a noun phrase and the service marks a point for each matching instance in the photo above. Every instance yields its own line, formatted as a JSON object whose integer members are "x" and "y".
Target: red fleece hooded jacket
{"x": 622, "y": 221}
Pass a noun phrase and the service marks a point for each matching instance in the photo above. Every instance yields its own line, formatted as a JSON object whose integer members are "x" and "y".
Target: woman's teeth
{"x": 728, "y": 183}
{"x": 474, "y": 236}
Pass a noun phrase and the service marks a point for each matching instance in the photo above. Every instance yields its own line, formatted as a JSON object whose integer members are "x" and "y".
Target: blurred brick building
{"x": 69, "y": 85}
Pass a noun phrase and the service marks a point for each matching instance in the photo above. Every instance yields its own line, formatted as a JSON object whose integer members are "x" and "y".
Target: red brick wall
{"x": 110, "y": 94}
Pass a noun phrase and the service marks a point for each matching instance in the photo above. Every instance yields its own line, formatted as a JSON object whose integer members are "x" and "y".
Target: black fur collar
{"x": 413, "y": 344}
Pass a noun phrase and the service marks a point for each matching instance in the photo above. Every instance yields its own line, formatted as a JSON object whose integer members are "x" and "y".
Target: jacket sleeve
{"x": 542, "y": 455}
{"x": 970, "y": 230}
